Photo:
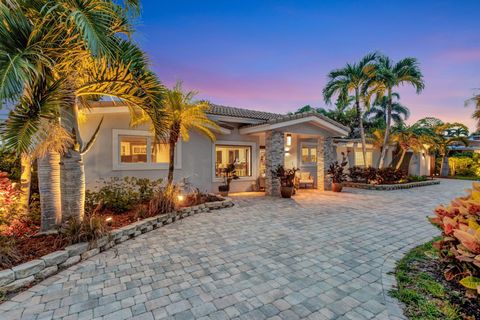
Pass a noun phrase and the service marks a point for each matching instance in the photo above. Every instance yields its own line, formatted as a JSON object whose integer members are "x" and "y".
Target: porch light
{"x": 289, "y": 139}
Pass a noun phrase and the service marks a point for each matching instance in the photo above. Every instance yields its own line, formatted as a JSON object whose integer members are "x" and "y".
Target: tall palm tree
{"x": 475, "y": 101}
{"x": 63, "y": 53}
{"x": 384, "y": 77}
{"x": 377, "y": 114}
{"x": 350, "y": 80}
{"x": 183, "y": 114}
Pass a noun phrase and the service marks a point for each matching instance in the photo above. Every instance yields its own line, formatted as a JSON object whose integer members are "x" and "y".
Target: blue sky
{"x": 275, "y": 55}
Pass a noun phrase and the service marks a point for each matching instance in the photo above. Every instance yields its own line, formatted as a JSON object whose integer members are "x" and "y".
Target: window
{"x": 309, "y": 154}
{"x": 137, "y": 150}
{"x": 359, "y": 158}
{"x": 240, "y": 156}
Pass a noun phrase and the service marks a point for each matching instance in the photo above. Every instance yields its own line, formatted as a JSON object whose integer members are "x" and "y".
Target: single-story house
{"x": 255, "y": 141}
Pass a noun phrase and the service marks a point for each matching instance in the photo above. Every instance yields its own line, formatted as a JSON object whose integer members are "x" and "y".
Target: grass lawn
{"x": 424, "y": 292}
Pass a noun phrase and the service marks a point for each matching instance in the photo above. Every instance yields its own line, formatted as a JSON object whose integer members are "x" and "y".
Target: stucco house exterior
{"x": 256, "y": 141}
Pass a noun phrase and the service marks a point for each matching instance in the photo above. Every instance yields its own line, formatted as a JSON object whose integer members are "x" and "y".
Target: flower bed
{"x": 388, "y": 187}
{"x": 28, "y": 273}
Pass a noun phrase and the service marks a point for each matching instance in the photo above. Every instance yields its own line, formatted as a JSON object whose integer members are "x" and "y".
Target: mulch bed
{"x": 34, "y": 247}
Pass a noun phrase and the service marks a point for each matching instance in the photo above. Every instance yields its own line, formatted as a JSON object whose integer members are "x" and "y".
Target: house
{"x": 256, "y": 141}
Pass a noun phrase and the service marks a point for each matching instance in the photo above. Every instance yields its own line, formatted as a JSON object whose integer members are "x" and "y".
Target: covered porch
{"x": 303, "y": 141}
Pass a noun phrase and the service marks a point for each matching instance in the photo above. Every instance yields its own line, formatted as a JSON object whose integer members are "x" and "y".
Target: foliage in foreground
{"x": 423, "y": 296}
{"x": 460, "y": 242}
{"x": 387, "y": 175}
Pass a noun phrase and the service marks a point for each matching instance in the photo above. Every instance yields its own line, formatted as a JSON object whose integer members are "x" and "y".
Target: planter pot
{"x": 337, "y": 187}
{"x": 287, "y": 192}
{"x": 223, "y": 190}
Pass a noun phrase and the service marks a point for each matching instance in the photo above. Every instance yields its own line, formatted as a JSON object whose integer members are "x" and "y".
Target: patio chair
{"x": 305, "y": 179}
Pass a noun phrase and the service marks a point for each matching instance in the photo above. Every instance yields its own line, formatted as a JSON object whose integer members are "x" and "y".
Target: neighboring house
{"x": 256, "y": 141}
{"x": 415, "y": 163}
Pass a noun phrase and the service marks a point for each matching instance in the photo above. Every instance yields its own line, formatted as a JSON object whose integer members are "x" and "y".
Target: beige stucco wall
{"x": 196, "y": 155}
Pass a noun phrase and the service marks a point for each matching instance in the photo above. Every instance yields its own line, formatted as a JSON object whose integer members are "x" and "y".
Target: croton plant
{"x": 460, "y": 242}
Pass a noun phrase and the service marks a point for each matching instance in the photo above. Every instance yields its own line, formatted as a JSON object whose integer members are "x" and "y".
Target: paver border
{"x": 26, "y": 274}
{"x": 389, "y": 187}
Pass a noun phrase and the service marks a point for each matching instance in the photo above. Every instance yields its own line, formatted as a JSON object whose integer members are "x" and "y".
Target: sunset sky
{"x": 275, "y": 55}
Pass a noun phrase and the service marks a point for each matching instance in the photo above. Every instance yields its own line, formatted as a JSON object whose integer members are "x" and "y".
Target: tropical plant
{"x": 447, "y": 135}
{"x": 460, "y": 243}
{"x": 336, "y": 170}
{"x": 350, "y": 80}
{"x": 9, "y": 197}
{"x": 413, "y": 137}
{"x": 90, "y": 229}
{"x": 164, "y": 200}
{"x": 183, "y": 114}
{"x": 377, "y": 114}
{"x": 286, "y": 176}
{"x": 55, "y": 56}
{"x": 383, "y": 78}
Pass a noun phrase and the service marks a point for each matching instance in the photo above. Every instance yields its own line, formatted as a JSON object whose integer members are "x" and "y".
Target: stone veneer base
{"x": 26, "y": 274}
{"x": 389, "y": 187}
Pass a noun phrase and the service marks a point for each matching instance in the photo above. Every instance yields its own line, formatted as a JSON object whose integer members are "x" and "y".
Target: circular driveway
{"x": 320, "y": 255}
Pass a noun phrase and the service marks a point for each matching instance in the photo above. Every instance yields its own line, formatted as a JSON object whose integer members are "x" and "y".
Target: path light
{"x": 289, "y": 139}
{"x": 109, "y": 220}
{"x": 180, "y": 197}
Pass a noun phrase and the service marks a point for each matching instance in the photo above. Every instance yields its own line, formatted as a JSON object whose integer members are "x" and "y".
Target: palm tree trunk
{"x": 171, "y": 163}
{"x": 73, "y": 186}
{"x": 25, "y": 182}
{"x": 445, "y": 168}
{"x": 387, "y": 130}
{"x": 49, "y": 187}
{"x": 400, "y": 161}
{"x": 360, "y": 125}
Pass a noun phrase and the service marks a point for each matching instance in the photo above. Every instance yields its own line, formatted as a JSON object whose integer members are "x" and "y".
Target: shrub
{"x": 460, "y": 243}
{"x": 463, "y": 166}
{"x": 10, "y": 163}
{"x": 91, "y": 228}
{"x": 390, "y": 175}
{"x": 9, "y": 196}
{"x": 356, "y": 174}
{"x": 416, "y": 178}
{"x": 8, "y": 253}
{"x": 120, "y": 195}
{"x": 165, "y": 200}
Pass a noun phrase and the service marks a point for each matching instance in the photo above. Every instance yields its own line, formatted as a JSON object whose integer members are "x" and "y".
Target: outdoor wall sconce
{"x": 289, "y": 139}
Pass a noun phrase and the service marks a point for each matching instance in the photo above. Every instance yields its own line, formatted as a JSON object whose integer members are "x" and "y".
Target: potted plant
{"x": 337, "y": 172}
{"x": 287, "y": 177}
{"x": 228, "y": 174}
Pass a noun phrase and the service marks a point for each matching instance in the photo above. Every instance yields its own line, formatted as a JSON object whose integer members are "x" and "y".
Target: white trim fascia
{"x": 315, "y": 120}
{"x": 232, "y": 119}
{"x": 254, "y": 164}
{"x": 106, "y": 110}
{"x": 118, "y": 166}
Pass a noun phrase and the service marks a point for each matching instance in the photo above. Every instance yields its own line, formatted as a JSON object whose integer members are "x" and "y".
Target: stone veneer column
{"x": 326, "y": 154}
{"x": 274, "y": 156}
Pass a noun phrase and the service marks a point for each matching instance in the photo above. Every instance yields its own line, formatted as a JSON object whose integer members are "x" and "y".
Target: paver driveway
{"x": 319, "y": 256}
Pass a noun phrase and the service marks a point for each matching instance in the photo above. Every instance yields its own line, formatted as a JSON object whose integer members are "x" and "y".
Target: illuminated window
{"x": 359, "y": 158}
{"x": 240, "y": 156}
{"x": 309, "y": 154}
{"x": 133, "y": 149}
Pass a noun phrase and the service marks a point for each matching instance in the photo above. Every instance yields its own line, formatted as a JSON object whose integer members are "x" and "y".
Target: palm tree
{"x": 378, "y": 112}
{"x": 384, "y": 77}
{"x": 447, "y": 135}
{"x": 350, "y": 80}
{"x": 182, "y": 115}
{"x": 475, "y": 100}
{"x": 52, "y": 64}
{"x": 408, "y": 138}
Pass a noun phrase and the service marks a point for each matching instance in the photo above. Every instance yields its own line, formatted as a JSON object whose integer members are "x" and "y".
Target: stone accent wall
{"x": 274, "y": 156}
{"x": 326, "y": 154}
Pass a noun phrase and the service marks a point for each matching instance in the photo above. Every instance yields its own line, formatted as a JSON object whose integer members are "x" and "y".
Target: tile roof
{"x": 220, "y": 110}
{"x": 288, "y": 117}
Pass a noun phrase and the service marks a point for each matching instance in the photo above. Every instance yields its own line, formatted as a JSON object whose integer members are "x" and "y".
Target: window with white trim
{"x": 137, "y": 150}
{"x": 359, "y": 158}
{"x": 240, "y": 156}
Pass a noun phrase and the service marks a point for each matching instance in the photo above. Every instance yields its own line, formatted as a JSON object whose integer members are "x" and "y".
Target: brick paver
{"x": 317, "y": 256}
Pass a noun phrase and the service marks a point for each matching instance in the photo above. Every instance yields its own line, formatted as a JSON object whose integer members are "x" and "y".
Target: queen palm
{"x": 475, "y": 101}
{"x": 447, "y": 135}
{"x": 384, "y": 77}
{"x": 377, "y": 113}
{"x": 67, "y": 53}
{"x": 350, "y": 80}
{"x": 412, "y": 137}
{"x": 183, "y": 115}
